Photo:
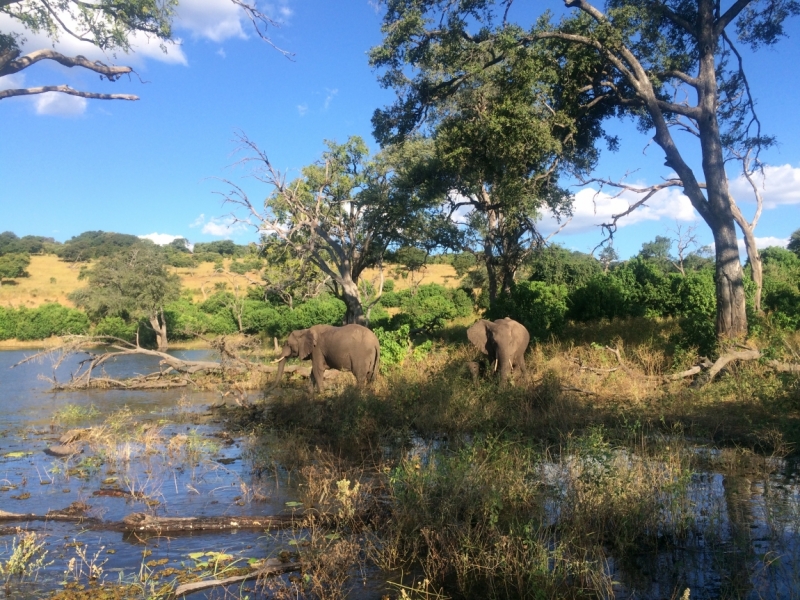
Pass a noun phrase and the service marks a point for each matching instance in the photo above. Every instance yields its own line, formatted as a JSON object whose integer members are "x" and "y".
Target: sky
{"x": 155, "y": 167}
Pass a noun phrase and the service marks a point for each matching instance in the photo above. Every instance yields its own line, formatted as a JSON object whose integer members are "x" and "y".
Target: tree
{"x": 108, "y": 25}
{"x": 341, "y": 214}
{"x": 669, "y": 63}
{"x": 13, "y": 265}
{"x": 794, "y": 242}
{"x": 133, "y": 285}
{"x": 503, "y": 129}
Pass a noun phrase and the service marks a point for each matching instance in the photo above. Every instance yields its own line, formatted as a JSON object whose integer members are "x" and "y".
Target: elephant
{"x": 504, "y": 341}
{"x": 352, "y": 348}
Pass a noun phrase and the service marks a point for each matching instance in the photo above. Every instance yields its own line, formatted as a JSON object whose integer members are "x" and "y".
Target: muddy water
{"x": 178, "y": 466}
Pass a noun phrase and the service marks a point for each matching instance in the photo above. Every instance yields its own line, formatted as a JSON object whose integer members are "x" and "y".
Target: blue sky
{"x": 68, "y": 165}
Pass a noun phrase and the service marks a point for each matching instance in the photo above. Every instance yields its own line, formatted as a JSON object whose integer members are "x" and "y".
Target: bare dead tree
{"x": 686, "y": 238}
{"x": 750, "y": 167}
{"x": 332, "y": 216}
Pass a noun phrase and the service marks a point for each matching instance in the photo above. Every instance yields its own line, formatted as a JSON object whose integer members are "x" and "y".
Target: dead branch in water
{"x": 172, "y": 371}
{"x": 270, "y": 567}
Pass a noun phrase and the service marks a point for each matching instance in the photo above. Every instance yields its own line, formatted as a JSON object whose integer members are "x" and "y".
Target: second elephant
{"x": 504, "y": 341}
{"x": 351, "y": 348}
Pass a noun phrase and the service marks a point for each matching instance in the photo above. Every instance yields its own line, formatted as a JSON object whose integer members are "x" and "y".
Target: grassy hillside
{"x": 52, "y": 279}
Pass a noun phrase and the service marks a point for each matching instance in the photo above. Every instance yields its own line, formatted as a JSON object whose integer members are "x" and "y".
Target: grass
{"x": 52, "y": 279}
{"x": 558, "y": 486}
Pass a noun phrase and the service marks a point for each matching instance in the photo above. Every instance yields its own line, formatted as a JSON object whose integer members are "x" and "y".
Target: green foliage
{"x": 95, "y": 244}
{"x": 116, "y": 327}
{"x": 463, "y": 262}
{"x": 13, "y": 266}
{"x": 430, "y": 308}
{"x": 557, "y": 265}
{"x": 132, "y": 285}
{"x": 698, "y": 310}
{"x": 396, "y": 347}
{"x": 794, "y": 242}
{"x": 221, "y": 248}
{"x": 10, "y": 243}
{"x": 40, "y": 323}
{"x": 781, "y": 291}
{"x": 539, "y": 306}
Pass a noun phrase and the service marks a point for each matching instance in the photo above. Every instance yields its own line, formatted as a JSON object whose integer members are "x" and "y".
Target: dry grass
{"x": 442, "y": 274}
{"x": 50, "y": 281}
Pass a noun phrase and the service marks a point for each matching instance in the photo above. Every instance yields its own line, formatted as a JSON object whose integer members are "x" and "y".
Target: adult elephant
{"x": 504, "y": 341}
{"x": 351, "y": 348}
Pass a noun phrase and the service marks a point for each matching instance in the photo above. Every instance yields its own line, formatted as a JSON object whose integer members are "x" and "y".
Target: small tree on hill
{"x": 13, "y": 266}
{"x": 133, "y": 285}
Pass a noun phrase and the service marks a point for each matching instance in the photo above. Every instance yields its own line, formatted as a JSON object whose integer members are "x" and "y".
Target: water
{"x": 178, "y": 464}
{"x": 743, "y": 543}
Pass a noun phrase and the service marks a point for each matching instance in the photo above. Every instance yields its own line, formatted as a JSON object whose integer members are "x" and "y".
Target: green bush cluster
{"x": 427, "y": 308}
{"x": 396, "y": 347}
{"x": 220, "y": 315}
{"x": 541, "y": 307}
{"x": 40, "y": 323}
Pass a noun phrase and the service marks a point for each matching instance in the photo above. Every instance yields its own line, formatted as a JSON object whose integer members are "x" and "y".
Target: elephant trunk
{"x": 279, "y": 375}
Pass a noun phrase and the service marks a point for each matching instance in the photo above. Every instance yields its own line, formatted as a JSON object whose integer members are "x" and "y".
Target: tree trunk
{"x": 352, "y": 299}
{"x": 159, "y": 325}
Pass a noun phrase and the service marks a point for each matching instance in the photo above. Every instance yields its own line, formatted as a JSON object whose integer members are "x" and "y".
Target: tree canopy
{"x": 133, "y": 285}
{"x": 670, "y": 64}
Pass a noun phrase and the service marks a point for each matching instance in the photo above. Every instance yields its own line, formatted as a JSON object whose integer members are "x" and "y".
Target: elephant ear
{"x": 477, "y": 335}
{"x": 307, "y": 343}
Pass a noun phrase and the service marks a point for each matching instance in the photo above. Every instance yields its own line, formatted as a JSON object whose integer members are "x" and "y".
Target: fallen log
{"x": 75, "y": 512}
{"x": 272, "y": 566}
{"x": 144, "y": 523}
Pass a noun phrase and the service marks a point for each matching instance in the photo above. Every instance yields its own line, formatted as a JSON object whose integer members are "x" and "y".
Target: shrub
{"x": 540, "y": 306}
{"x": 48, "y": 320}
{"x": 116, "y": 327}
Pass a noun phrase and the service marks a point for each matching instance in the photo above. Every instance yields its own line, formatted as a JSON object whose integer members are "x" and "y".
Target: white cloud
{"x": 12, "y": 82}
{"x": 198, "y": 221}
{"x": 162, "y": 239}
{"x": 764, "y": 242}
{"x": 223, "y": 227}
{"x": 221, "y": 52}
{"x": 62, "y": 105}
{"x": 302, "y": 109}
{"x": 329, "y": 97}
{"x": 591, "y": 208}
{"x": 780, "y": 185}
{"x": 216, "y": 20}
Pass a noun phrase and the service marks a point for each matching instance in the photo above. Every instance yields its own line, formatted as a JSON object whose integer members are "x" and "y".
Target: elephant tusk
{"x": 272, "y": 362}
{"x": 496, "y": 360}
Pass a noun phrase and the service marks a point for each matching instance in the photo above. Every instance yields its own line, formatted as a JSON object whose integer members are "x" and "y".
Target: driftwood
{"x": 75, "y": 512}
{"x": 709, "y": 370}
{"x": 141, "y": 522}
{"x": 270, "y": 567}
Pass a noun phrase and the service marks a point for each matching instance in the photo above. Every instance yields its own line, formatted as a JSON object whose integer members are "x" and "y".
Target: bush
{"x": 539, "y": 306}
{"x": 116, "y": 327}
{"x": 396, "y": 347}
{"x": 48, "y": 320}
{"x": 431, "y": 307}
{"x": 8, "y": 323}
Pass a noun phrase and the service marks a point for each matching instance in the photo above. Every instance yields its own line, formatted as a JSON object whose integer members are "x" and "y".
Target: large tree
{"x": 110, "y": 25}
{"x": 341, "y": 214}
{"x": 670, "y": 63}
{"x": 134, "y": 284}
{"x": 503, "y": 129}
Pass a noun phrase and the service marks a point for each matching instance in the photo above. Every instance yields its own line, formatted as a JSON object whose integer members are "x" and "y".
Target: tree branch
{"x": 64, "y": 89}
{"x": 111, "y": 72}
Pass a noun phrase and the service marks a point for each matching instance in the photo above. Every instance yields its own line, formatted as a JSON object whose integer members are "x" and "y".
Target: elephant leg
{"x": 318, "y": 376}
